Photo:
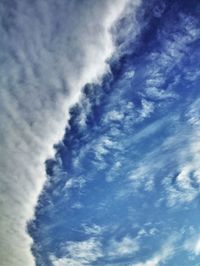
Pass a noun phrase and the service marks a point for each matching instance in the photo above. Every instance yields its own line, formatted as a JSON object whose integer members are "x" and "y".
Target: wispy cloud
{"x": 193, "y": 245}
{"x": 79, "y": 253}
{"x": 125, "y": 247}
{"x": 164, "y": 254}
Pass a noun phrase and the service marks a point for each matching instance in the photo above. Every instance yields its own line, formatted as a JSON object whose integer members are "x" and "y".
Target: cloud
{"x": 193, "y": 245}
{"x": 79, "y": 253}
{"x": 91, "y": 250}
{"x": 188, "y": 178}
{"x": 174, "y": 157}
{"x": 147, "y": 108}
{"x": 127, "y": 246}
{"x": 165, "y": 253}
{"x": 175, "y": 43}
{"x": 48, "y": 51}
{"x": 160, "y": 94}
{"x": 93, "y": 229}
{"x": 144, "y": 142}
{"x": 77, "y": 182}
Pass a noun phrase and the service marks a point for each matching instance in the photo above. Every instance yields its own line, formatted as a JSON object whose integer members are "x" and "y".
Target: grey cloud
{"x": 48, "y": 51}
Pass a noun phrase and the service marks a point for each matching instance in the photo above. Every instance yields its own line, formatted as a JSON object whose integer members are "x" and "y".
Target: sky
{"x": 100, "y": 129}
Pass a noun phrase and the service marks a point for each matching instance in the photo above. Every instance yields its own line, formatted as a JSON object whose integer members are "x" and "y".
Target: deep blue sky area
{"x": 123, "y": 188}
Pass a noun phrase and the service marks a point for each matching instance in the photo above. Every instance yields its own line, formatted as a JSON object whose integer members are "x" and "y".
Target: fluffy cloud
{"x": 48, "y": 51}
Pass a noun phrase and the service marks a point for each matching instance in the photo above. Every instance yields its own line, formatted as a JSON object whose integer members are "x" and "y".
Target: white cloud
{"x": 103, "y": 146}
{"x": 175, "y": 42}
{"x": 114, "y": 116}
{"x": 165, "y": 253}
{"x": 79, "y": 253}
{"x": 127, "y": 246}
{"x": 189, "y": 158}
{"x": 193, "y": 245}
{"x": 93, "y": 229}
{"x": 184, "y": 192}
{"x": 111, "y": 175}
{"x": 176, "y": 158}
{"x": 49, "y": 50}
{"x": 147, "y": 108}
{"x": 159, "y": 94}
{"x": 76, "y": 182}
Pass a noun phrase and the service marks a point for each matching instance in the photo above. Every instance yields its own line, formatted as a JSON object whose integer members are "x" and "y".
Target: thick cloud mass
{"x": 123, "y": 188}
{"x": 48, "y": 51}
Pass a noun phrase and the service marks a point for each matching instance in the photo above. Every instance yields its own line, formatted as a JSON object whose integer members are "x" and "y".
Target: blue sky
{"x": 123, "y": 188}
{"x": 122, "y": 180}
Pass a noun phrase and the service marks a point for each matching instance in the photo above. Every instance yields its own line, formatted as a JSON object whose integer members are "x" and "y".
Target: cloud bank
{"x": 48, "y": 51}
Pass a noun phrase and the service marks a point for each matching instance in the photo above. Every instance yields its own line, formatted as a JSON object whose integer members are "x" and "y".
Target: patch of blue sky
{"x": 123, "y": 188}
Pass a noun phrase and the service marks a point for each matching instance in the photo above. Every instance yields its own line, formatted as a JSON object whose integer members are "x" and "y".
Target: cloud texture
{"x": 48, "y": 51}
{"x": 123, "y": 187}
